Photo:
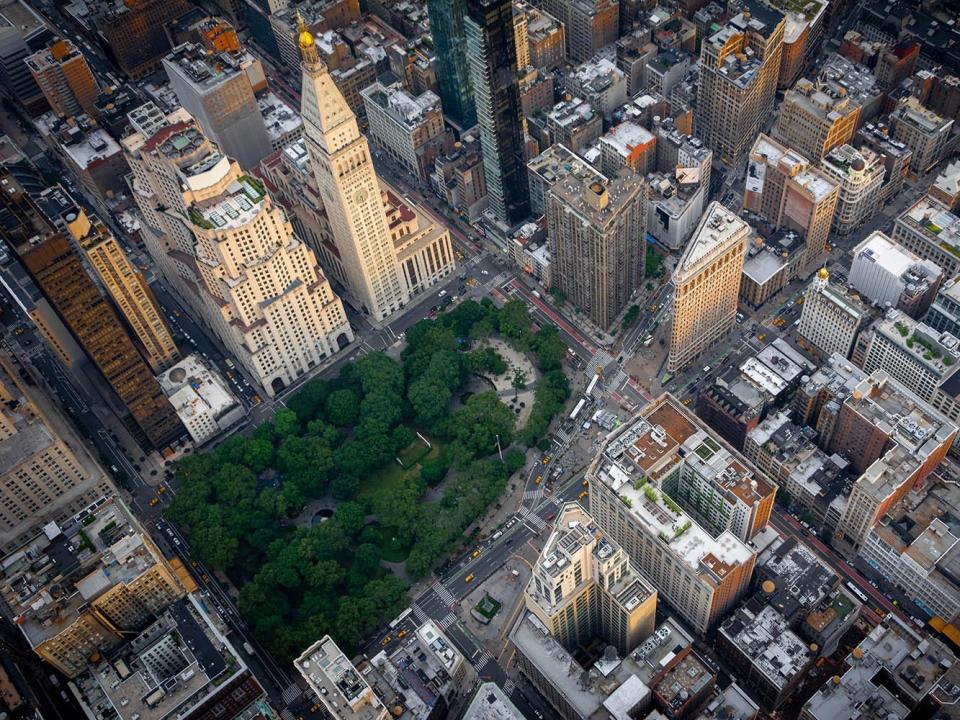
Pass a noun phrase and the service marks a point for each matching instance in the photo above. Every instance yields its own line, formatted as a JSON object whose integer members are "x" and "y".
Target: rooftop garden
{"x": 197, "y": 218}
{"x": 932, "y": 351}
{"x": 933, "y": 227}
{"x": 253, "y": 187}
{"x": 902, "y": 329}
{"x": 949, "y": 248}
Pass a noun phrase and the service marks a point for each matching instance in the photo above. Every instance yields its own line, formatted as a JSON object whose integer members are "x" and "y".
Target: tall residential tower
{"x": 492, "y": 55}
{"x": 446, "y": 26}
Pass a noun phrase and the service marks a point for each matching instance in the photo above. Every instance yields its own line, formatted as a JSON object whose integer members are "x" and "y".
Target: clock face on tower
{"x": 360, "y": 196}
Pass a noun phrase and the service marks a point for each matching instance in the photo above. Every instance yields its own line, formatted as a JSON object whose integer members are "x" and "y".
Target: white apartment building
{"x": 921, "y": 130}
{"x": 201, "y": 398}
{"x": 859, "y": 173}
{"x": 830, "y": 319}
{"x": 915, "y": 354}
{"x": 932, "y": 231}
{"x": 401, "y": 123}
{"x": 700, "y": 575}
{"x": 231, "y": 254}
{"x": 887, "y": 273}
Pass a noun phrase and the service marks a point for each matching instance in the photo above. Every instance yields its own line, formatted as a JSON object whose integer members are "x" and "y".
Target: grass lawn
{"x": 393, "y": 474}
{"x": 413, "y": 453}
{"x": 488, "y": 607}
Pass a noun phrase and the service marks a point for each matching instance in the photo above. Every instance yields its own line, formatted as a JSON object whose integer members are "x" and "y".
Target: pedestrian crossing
{"x": 534, "y": 494}
{"x": 600, "y": 359}
{"x": 286, "y": 714}
{"x": 535, "y": 520}
{"x": 291, "y": 693}
{"x": 483, "y": 660}
{"x": 619, "y": 379}
{"x": 562, "y": 436}
{"x": 441, "y": 590}
{"x": 419, "y": 614}
{"x": 447, "y": 620}
{"x": 509, "y": 687}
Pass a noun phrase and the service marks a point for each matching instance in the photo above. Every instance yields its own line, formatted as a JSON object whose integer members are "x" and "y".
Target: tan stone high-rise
{"x": 41, "y": 478}
{"x": 62, "y": 73}
{"x": 584, "y": 587}
{"x": 784, "y": 188}
{"x": 739, "y": 67}
{"x": 597, "y": 230}
{"x": 706, "y": 285}
{"x": 129, "y": 291}
{"x": 84, "y": 585}
{"x": 816, "y": 117}
{"x": 230, "y": 252}
{"x": 348, "y": 185}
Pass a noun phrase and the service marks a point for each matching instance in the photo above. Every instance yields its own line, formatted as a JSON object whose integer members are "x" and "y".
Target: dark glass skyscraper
{"x": 446, "y": 23}
{"x": 492, "y": 57}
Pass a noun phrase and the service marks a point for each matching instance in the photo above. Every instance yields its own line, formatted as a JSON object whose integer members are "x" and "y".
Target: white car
{"x": 442, "y": 293}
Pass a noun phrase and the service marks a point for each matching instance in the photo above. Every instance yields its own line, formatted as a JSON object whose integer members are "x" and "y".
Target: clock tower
{"x": 343, "y": 169}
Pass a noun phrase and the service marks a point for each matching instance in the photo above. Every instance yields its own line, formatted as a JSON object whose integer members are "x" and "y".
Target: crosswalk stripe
{"x": 482, "y": 661}
{"x": 419, "y": 613}
{"x": 509, "y": 687}
{"x": 442, "y": 592}
{"x": 291, "y": 693}
{"x": 448, "y": 620}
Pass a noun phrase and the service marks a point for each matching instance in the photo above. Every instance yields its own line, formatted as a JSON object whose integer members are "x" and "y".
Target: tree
{"x": 514, "y": 460}
{"x": 377, "y": 372}
{"x": 308, "y": 403}
{"x": 559, "y": 297}
{"x": 478, "y": 423}
{"x": 487, "y": 361}
{"x": 429, "y": 401}
{"x": 518, "y": 382}
{"x": 351, "y": 517}
{"x": 286, "y": 423}
{"x": 342, "y": 407}
{"x": 515, "y": 323}
{"x": 214, "y": 546}
{"x": 550, "y": 348}
{"x": 366, "y": 560}
{"x": 433, "y": 470}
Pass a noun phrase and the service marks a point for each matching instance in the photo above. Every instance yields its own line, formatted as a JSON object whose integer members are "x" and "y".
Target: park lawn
{"x": 391, "y": 549}
{"x": 414, "y": 453}
{"x": 393, "y": 474}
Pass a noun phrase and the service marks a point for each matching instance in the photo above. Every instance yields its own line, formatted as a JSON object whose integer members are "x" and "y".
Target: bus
{"x": 862, "y": 596}
{"x": 578, "y": 408}
{"x": 593, "y": 383}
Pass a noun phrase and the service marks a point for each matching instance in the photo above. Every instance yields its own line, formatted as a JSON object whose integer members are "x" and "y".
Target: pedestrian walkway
{"x": 443, "y": 593}
{"x": 481, "y": 662}
{"x": 600, "y": 359}
{"x": 537, "y": 522}
{"x": 447, "y": 620}
{"x": 419, "y": 614}
{"x": 291, "y": 694}
{"x": 509, "y": 687}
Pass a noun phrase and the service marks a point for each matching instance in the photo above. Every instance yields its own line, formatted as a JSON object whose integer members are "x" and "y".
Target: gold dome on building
{"x": 823, "y": 274}
{"x": 306, "y": 39}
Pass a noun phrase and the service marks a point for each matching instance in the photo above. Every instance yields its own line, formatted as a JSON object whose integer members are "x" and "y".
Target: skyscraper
{"x": 129, "y": 291}
{"x": 219, "y": 239}
{"x": 62, "y": 73}
{"x": 739, "y": 66}
{"x": 597, "y": 228}
{"x": 446, "y": 26}
{"x": 706, "y": 285}
{"x": 56, "y": 268}
{"x": 492, "y": 55}
{"x": 215, "y": 88}
{"x": 136, "y": 31}
{"x": 348, "y": 186}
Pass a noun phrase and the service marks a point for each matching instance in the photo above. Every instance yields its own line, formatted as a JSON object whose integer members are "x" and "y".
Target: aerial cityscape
{"x": 479, "y": 359}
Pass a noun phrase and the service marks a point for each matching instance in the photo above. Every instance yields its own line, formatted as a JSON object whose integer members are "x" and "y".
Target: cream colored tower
{"x": 218, "y": 238}
{"x": 706, "y": 285}
{"x": 129, "y": 291}
{"x": 348, "y": 185}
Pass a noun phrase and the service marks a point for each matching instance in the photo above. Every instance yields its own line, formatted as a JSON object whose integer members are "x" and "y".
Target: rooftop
{"x": 194, "y": 389}
{"x": 644, "y": 449}
{"x": 912, "y": 112}
{"x": 334, "y": 679}
{"x": 886, "y": 253}
{"x": 571, "y": 113}
{"x": 408, "y": 111}
{"x": 938, "y": 351}
{"x": 238, "y": 205}
{"x": 846, "y": 160}
{"x": 176, "y": 663}
{"x": 597, "y": 75}
{"x": 684, "y": 679}
{"x": 19, "y": 15}
{"x": 203, "y": 70}
{"x": 95, "y": 146}
{"x": 878, "y": 135}
{"x": 948, "y": 181}
{"x": 626, "y": 137}
{"x": 765, "y": 636}
{"x": 49, "y": 580}
{"x": 800, "y": 580}
{"x": 802, "y": 173}
{"x": 594, "y": 198}
{"x": 825, "y": 98}
{"x": 279, "y": 118}
{"x": 718, "y": 227}
{"x": 618, "y": 685}
{"x": 491, "y": 703}
{"x": 934, "y": 222}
